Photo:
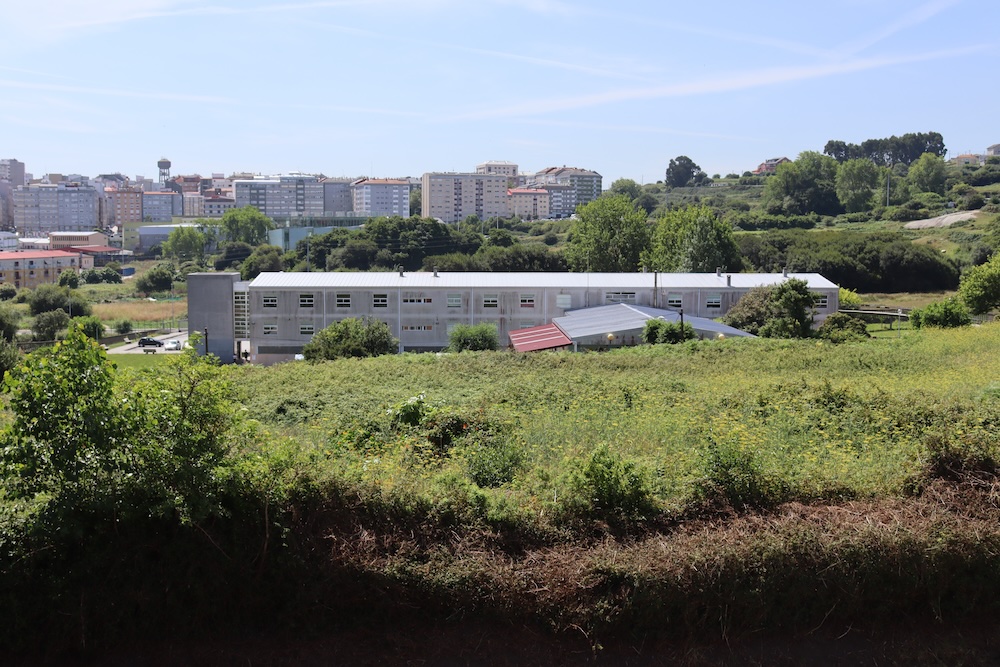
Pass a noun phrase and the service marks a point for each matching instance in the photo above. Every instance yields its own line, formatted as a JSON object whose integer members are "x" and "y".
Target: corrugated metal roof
{"x": 487, "y": 280}
{"x": 622, "y": 317}
{"x": 544, "y": 337}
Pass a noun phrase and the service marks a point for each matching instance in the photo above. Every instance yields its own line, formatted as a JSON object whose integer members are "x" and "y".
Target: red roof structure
{"x": 544, "y": 337}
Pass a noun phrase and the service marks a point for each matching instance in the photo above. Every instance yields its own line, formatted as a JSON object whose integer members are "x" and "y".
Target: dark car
{"x": 150, "y": 342}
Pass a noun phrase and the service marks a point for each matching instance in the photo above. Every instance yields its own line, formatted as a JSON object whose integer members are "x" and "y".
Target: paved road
{"x": 133, "y": 347}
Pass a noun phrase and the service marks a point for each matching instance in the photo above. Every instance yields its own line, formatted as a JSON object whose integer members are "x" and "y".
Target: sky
{"x": 394, "y": 88}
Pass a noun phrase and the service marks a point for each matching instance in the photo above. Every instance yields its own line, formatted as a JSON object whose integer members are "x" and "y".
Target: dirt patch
{"x": 946, "y": 220}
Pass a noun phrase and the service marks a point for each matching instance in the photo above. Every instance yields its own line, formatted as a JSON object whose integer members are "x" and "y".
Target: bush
{"x": 841, "y": 327}
{"x": 473, "y": 337}
{"x": 945, "y": 314}
{"x": 664, "y": 332}
{"x": 160, "y": 278}
{"x": 9, "y": 320}
{"x": 123, "y": 327}
{"x": 610, "y": 487}
{"x": 352, "y": 337}
{"x": 735, "y": 477}
{"x": 46, "y": 298}
{"x": 491, "y": 463}
{"x": 48, "y": 324}
{"x": 7, "y": 292}
{"x": 69, "y": 278}
{"x": 92, "y": 326}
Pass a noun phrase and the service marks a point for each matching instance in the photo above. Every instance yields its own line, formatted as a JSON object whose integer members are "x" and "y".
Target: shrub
{"x": 735, "y": 477}
{"x": 609, "y": 487}
{"x": 473, "y": 337}
{"x": 48, "y": 324}
{"x": 92, "y": 326}
{"x": 662, "y": 331}
{"x": 160, "y": 278}
{"x": 9, "y": 320}
{"x": 493, "y": 462}
{"x": 69, "y": 278}
{"x": 849, "y": 299}
{"x": 351, "y": 337}
{"x": 946, "y": 314}
{"x": 123, "y": 327}
{"x": 7, "y": 292}
{"x": 841, "y": 327}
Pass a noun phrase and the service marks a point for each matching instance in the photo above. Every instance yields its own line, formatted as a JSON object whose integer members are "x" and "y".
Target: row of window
{"x": 527, "y": 300}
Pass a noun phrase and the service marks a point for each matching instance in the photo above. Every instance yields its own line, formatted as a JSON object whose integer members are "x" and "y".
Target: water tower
{"x": 164, "y": 165}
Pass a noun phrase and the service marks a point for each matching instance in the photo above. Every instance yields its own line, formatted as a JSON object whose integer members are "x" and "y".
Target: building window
{"x": 713, "y": 300}
{"x": 454, "y": 300}
{"x": 527, "y": 301}
{"x": 491, "y": 300}
{"x": 619, "y": 297}
{"x": 822, "y": 301}
{"x": 270, "y": 301}
{"x": 674, "y": 300}
{"x": 306, "y": 329}
{"x": 270, "y": 329}
{"x": 416, "y": 299}
{"x": 343, "y": 301}
{"x": 418, "y": 327}
{"x": 305, "y": 301}
{"x": 564, "y": 301}
{"x": 380, "y": 300}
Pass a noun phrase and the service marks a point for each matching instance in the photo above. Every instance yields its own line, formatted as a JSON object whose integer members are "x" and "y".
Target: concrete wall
{"x": 210, "y": 306}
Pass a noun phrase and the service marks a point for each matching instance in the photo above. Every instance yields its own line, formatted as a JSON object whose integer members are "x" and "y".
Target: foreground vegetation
{"x": 704, "y": 490}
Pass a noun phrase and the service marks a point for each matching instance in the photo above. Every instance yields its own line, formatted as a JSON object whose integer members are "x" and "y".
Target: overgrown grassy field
{"x": 715, "y": 491}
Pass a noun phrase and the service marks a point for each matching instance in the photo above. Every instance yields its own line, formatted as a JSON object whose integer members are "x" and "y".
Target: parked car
{"x": 173, "y": 345}
{"x": 150, "y": 342}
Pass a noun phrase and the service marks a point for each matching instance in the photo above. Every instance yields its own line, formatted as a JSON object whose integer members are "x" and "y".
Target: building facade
{"x": 578, "y": 187}
{"x": 529, "y": 203}
{"x": 12, "y": 171}
{"x": 282, "y": 197}
{"x": 452, "y": 197}
{"x": 381, "y": 197}
{"x": 284, "y": 310}
{"x": 65, "y": 206}
{"x": 161, "y": 206}
{"x": 31, "y": 268}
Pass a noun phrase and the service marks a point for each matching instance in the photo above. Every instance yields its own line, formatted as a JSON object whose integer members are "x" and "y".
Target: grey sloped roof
{"x": 623, "y": 317}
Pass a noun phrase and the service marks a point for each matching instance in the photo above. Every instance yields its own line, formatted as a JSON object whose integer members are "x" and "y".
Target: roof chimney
{"x": 400, "y": 267}
{"x": 718, "y": 271}
{"x": 435, "y": 272}
{"x": 729, "y": 281}
{"x": 784, "y": 272}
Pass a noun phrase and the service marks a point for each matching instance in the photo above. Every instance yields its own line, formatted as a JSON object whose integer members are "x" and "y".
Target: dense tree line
{"x": 866, "y": 262}
{"x": 888, "y": 151}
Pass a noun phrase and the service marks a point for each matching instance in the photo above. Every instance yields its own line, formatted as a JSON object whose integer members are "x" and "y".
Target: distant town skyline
{"x": 385, "y": 88}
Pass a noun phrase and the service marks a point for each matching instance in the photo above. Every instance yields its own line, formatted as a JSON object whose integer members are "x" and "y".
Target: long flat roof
{"x": 498, "y": 280}
{"x": 623, "y": 317}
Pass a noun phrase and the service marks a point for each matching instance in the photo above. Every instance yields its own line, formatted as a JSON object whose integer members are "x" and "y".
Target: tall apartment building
{"x": 501, "y": 167}
{"x": 584, "y": 187}
{"x": 452, "y": 197}
{"x": 381, "y": 196}
{"x": 337, "y": 197}
{"x": 529, "y": 203}
{"x": 194, "y": 205}
{"x": 161, "y": 206}
{"x": 65, "y": 206}
{"x": 282, "y": 197}
{"x": 12, "y": 171}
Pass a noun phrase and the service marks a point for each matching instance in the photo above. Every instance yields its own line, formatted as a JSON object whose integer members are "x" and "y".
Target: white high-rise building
{"x": 282, "y": 197}
{"x": 61, "y": 207}
{"x": 381, "y": 196}
{"x": 451, "y": 197}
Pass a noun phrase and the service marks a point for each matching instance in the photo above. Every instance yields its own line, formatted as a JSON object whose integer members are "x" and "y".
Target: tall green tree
{"x": 263, "y": 258}
{"x": 185, "y": 243}
{"x": 856, "y": 183}
{"x": 682, "y": 170}
{"x": 807, "y": 185}
{"x": 625, "y": 186}
{"x": 691, "y": 239}
{"x": 609, "y": 235}
{"x": 775, "y": 311}
{"x": 980, "y": 287}
{"x": 927, "y": 174}
{"x": 246, "y": 224}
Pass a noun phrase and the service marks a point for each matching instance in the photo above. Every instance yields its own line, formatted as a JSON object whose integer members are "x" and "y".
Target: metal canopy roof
{"x": 544, "y": 337}
{"x": 623, "y": 317}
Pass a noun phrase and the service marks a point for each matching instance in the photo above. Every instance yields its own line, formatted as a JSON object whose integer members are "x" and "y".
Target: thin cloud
{"x": 111, "y": 92}
{"x": 740, "y": 81}
{"x": 919, "y": 15}
{"x": 641, "y": 129}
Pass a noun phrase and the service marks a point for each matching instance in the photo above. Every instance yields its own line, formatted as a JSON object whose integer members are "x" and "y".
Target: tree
{"x": 232, "y": 253}
{"x": 775, "y": 311}
{"x": 415, "y": 201}
{"x": 69, "y": 278}
{"x": 111, "y": 275}
{"x": 807, "y": 185}
{"x": 856, "y": 183}
{"x": 185, "y": 243}
{"x": 609, "y": 235}
{"x": 48, "y": 324}
{"x": 980, "y": 287}
{"x": 890, "y": 151}
{"x": 473, "y": 337}
{"x": 682, "y": 170}
{"x": 625, "y": 186}
{"x": 691, "y": 239}
{"x": 7, "y": 291}
{"x": 263, "y": 258}
{"x": 661, "y": 331}
{"x": 949, "y": 313}
{"x": 48, "y": 297}
{"x": 351, "y": 337}
{"x": 160, "y": 278}
{"x": 246, "y": 224}
{"x": 927, "y": 174}
{"x": 9, "y": 320}
{"x": 90, "y": 325}
{"x": 841, "y": 327}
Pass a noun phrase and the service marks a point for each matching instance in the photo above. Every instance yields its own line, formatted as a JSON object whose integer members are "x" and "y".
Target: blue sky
{"x": 390, "y": 88}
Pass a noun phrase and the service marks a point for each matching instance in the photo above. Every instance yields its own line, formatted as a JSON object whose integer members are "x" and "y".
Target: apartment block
{"x": 381, "y": 196}
{"x": 584, "y": 187}
{"x": 65, "y": 206}
{"x": 12, "y": 171}
{"x": 282, "y": 197}
{"x": 31, "y": 268}
{"x": 161, "y": 206}
{"x": 337, "y": 197}
{"x": 452, "y": 197}
{"x": 501, "y": 167}
{"x": 529, "y": 203}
